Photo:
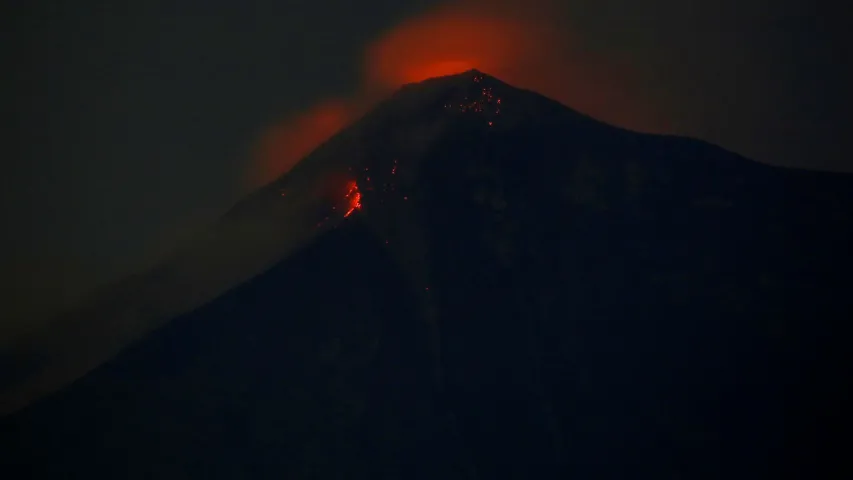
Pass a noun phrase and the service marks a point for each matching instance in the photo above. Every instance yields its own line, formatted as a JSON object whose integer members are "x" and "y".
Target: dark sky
{"x": 133, "y": 122}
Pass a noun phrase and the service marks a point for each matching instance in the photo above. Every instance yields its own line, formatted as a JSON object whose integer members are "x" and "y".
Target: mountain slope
{"x": 503, "y": 288}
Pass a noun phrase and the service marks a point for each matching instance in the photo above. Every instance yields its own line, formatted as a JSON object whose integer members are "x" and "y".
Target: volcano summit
{"x": 472, "y": 281}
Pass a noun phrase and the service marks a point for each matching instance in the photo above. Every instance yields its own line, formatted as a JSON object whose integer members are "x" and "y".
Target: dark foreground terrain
{"x": 523, "y": 293}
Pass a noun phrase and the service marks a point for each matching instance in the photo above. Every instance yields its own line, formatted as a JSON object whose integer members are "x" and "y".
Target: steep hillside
{"x": 491, "y": 285}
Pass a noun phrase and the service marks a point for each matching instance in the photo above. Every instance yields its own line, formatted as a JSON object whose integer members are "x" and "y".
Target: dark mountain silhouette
{"x": 500, "y": 287}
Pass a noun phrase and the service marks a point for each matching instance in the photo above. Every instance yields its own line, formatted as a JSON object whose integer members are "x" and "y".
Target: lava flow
{"x": 354, "y": 197}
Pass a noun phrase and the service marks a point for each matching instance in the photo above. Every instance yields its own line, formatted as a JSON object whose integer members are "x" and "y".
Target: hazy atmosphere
{"x": 137, "y": 123}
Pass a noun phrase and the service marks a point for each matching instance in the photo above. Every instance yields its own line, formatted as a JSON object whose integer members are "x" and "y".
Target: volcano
{"x": 472, "y": 281}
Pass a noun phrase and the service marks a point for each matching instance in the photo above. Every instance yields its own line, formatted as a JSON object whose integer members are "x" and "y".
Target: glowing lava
{"x": 354, "y": 197}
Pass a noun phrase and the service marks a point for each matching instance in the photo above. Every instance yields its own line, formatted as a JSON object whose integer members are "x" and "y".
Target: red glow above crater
{"x": 445, "y": 42}
{"x": 530, "y": 47}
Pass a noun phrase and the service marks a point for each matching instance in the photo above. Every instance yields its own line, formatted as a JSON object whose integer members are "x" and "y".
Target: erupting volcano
{"x": 530, "y": 51}
{"x": 471, "y": 281}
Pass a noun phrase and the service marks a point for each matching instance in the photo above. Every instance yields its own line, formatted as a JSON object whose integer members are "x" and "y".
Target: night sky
{"x": 137, "y": 123}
